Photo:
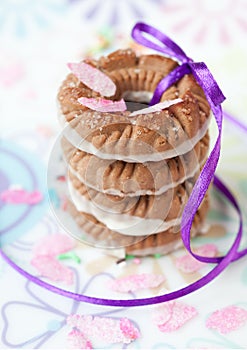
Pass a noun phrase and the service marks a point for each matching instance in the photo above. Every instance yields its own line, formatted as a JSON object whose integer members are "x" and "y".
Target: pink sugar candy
{"x": 51, "y": 268}
{"x": 102, "y": 105}
{"x": 53, "y": 245}
{"x": 105, "y": 329}
{"x": 45, "y": 130}
{"x": 34, "y": 197}
{"x": 21, "y": 196}
{"x": 227, "y": 319}
{"x": 128, "y": 329}
{"x": 11, "y": 73}
{"x": 132, "y": 283}
{"x": 137, "y": 261}
{"x": 209, "y": 250}
{"x": 172, "y": 315}
{"x": 188, "y": 264}
{"x": 78, "y": 341}
{"x": 93, "y": 78}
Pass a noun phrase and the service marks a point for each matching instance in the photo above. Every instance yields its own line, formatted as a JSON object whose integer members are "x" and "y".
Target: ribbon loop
{"x": 168, "y": 47}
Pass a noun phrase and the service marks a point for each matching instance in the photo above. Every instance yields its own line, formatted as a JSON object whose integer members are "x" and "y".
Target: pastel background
{"x": 37, "y": 39}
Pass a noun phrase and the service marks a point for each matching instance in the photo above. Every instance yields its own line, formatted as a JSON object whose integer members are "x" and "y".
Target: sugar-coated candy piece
{"x": 188, "y": 264}
{"x": 105, "y": 329}
{"x": 135, "y": 282}
{"x": 93, "y": 78}
{"x": 227, "y": 319}
{"x": 172, "y": 315}
{"x": 103, "y": 105}
{"x": 21, "y": 196}
{"x": 48, "y": 266}
{"x": 53, "y": 245}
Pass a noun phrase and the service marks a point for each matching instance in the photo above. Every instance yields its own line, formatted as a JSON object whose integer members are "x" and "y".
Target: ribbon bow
{"x": 171, "y": 49}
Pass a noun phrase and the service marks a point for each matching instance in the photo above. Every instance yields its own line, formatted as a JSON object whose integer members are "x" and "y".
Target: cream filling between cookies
{"x": 121, "y": 223}
{"x": 79, "y": 142}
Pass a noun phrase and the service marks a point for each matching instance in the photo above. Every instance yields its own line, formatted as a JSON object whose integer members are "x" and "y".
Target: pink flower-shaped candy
{"x": 188, "y": 264}
{"x": 173, "y": 315}
{"x": 53, "y": 245}
{"x": 135, "y": 282}
{"x": 21, "y": 196}
{"x": 227, "y": 319}
{"x": 104, "y": 329}
{"x": 50, "y": 267}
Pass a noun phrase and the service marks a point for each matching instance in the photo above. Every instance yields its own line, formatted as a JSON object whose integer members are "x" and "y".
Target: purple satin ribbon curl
{"x": 215, "y": 98}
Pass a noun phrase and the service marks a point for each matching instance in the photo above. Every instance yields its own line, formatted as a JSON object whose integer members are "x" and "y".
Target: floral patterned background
{"x": 37, "y": 38}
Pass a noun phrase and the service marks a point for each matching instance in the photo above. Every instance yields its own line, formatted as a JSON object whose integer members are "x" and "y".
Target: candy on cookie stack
{"x": 131, "y": 169}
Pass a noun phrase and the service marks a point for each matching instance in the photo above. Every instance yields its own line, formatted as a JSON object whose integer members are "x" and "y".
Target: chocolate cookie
{"x": 133, "y": 179}
{"x": 140, "y": 137}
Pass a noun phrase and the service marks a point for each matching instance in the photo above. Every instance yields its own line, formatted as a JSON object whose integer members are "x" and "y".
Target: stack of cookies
{"x": 130, "y": 173}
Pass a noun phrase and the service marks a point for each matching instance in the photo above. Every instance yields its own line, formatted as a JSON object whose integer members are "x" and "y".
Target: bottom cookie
{"x": 99, "y": 235}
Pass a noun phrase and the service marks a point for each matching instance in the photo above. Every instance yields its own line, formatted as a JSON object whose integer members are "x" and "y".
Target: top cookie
{"x": 142, "y": 137}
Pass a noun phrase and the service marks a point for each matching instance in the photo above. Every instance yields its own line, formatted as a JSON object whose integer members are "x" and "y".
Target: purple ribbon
{"x": 215, "y": 98}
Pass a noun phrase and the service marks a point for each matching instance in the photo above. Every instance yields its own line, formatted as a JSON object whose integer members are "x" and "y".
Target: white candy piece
{"x": 157, "y": 107}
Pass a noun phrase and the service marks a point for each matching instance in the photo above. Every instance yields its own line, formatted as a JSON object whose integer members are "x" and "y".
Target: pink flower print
{"x": 173, "y": 315}
{"x": 45, "y": 257}
{"x": 135, "y": 282}
{"x": 30, "y": 94}
{"x": 11, "y": 74}
{"x": 21, "y": 196}
{"x": 225, "y": 17}
{"x": 45, "y": 130}
{"x": 227, "y": 319}
{"x": 188, "y": 264}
